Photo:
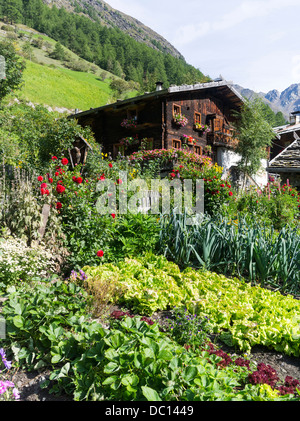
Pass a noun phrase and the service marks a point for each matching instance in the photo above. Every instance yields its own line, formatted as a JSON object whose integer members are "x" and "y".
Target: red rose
{"x": 230, "y": 193}
{"x": 100, "y": 253}
{"x": 79, "y": 180}
{"x": 110, "y": 165}
{"x": 42, "y": 191}
{"x": 50, "y": 180}
{"x": 113, "y": 215}
{"x": 58, "y": 205}
{"x": 43, "y": 185}
{"x": 222, "y": 185}
{"x": 54, "y": 158}
{"x": 47, "y": 192}
{"x": 56, "y": 174}
{"x": 40, "y": 178}
{"x": 64, "y": 161}
{"x": 60, "y": 188}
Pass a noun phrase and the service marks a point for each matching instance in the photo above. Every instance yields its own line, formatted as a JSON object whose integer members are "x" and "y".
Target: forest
{"x": 109, "y": 48}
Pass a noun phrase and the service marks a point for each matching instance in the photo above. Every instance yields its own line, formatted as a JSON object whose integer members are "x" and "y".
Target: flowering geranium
{"x": 128, "y": 123}
{"x": 202, "y": 127}
{"x": 128, "y": 141}
{"x": 180, "y": 120}
{"x": 188, "y": 139}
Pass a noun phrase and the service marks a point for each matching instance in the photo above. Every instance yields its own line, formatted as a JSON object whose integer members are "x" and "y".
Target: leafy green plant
{"x": 188, "y": 328}
{"x": 243, "y": 315}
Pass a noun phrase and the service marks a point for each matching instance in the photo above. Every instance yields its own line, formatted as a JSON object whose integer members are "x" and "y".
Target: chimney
{"x": 159, "y": 86}
{"x": 295, "y": 117}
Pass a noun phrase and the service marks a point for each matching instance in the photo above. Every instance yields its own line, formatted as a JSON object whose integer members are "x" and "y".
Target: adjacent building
{"x": 285, "y": 152}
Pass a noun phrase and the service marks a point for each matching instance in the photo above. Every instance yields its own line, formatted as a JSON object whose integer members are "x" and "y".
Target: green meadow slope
{"x": 51, "y": 83}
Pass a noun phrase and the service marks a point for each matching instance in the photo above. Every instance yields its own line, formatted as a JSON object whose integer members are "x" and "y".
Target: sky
{"x": 253, "y": 43}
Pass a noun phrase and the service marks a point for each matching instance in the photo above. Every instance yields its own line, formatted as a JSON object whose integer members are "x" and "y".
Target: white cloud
{"x": 255, "y": 43}
{"x": 247, "y": 10}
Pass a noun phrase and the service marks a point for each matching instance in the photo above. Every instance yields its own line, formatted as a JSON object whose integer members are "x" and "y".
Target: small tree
{"x": 254, "y": 134}
{"x": 14, "y": 67}
{"x": 58, "y": 52}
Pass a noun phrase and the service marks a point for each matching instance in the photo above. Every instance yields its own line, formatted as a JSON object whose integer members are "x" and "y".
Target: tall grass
{"x": 59, "y": 87}
{"x": 255, "y": 252}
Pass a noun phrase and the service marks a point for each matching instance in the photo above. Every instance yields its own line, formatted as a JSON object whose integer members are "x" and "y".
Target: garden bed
{"x": 29, "y": 383}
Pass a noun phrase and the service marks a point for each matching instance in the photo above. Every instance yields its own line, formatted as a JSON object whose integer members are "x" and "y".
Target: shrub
{"x": 18, "y": 262}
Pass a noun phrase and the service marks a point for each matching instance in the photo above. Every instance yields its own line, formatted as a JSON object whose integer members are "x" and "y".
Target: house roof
{"x": 288, "y": 160}
{"x": 220, "y": 89}
{"x": 288, "y": 128}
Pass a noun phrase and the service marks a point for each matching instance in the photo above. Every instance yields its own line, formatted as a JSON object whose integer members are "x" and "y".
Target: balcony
{"x": 222, "y": 138}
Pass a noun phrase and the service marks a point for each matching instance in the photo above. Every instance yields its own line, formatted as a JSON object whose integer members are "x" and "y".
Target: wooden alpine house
{"x": 198, "y": 117}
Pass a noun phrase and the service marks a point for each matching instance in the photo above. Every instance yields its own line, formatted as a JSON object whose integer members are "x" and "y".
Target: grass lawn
{"x": 60, "y": 87}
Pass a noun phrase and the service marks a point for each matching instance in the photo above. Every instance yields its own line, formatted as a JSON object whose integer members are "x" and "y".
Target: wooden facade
{"x": 153, "y": 114}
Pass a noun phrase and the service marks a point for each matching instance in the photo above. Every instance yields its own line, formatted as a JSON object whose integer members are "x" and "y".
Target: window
{"x": 198, "y": 150}
{"x": 197, "y": 118}
{"x": 176, "y": 144}
{"x": 218, "y": 124}
{"x": 176, "y": 109}
{"x": 132, "y": 114}
{"x": 118, "y": 148}
{"x": 148, "y": 144}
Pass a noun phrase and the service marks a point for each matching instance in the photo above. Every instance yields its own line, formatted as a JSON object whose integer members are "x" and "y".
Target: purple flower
{"x": 4, "y": 360}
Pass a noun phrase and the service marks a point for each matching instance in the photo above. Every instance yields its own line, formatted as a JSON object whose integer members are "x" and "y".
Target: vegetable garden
{"x": 81, "y": 300}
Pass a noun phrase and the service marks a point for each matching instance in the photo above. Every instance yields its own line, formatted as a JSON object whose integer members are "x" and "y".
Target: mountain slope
{"x": 106, "y": 15}
{"x": 49, "y": 82}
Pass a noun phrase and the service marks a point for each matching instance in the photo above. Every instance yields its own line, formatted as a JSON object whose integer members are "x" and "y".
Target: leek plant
{"x": 258, "y": 253}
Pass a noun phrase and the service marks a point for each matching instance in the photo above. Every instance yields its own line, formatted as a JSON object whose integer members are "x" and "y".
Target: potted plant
{"x": 202, "y": 128}
{"x": 129, "y": 141}
{"x": 128, "y": 123}
{"x": 188, "y": 139}
{"x": 180, "y": 120}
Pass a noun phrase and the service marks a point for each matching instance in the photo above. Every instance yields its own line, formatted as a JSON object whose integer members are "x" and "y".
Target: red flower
{"x": 47, "y": 192}
{"x": 50, "y": 180}
{"x": 56, "y": 174}
{"x": 43, "y": 191}
{"x": 54, "y": 158}
{"x": 119, "y": 181}
{"x": 100, "y": 253}
{"x": 43, "y": 185}
{"x": 110, "y": 165}
{"x": 79, "y": 180}
{"x": 40, "y": 178}
{"x": 64, "y": 161}
{"x": 58, "y": 205}
{"x": 60, "y": 188}
{"x": 230, "y": 193}
{"x": 113, "y": 215}
{"x": 222, "y": 185}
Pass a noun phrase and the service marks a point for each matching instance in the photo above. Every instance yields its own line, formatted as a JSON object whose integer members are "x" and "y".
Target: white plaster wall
{"x": 227, "y": 158}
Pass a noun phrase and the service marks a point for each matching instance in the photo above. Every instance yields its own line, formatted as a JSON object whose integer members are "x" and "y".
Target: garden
{"x": 120, "y": 306}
